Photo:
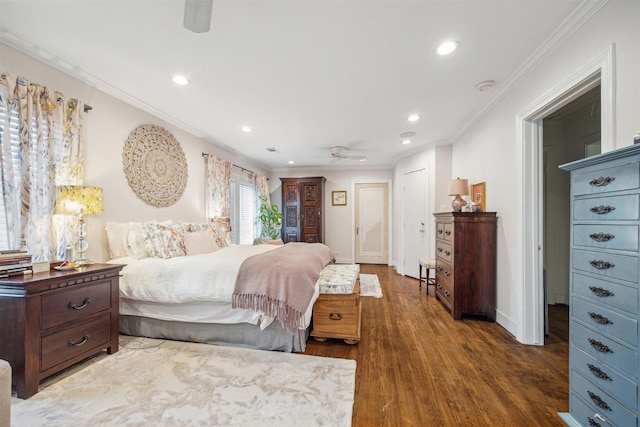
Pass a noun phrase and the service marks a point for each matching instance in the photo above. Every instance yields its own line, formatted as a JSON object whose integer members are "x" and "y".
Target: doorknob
{"x": 357, "y": 230}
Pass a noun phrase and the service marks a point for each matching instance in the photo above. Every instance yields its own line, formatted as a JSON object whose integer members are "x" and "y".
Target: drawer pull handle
{"x": 602, "y": 181}
{"x": 72, "y": 343}
{"x": 601, "y": 237}
{"x": 602, "y": 210}
{"x": 598, "y": 401}
{"x": 447, "y": 253}
{"x": 602, "y": 348}
{"x": 446, "y": 273}
{"x": 73, "y": 306}
{"x": 439, "y": 286}
{"x": 439, "y": 249}
{"x": 601, "y": 265}
{"x": 601, "y": 292}
{"x": 600, "y": 417}
{"x": 447, "y": 294}
{"x": 335, "y": 316}
{"x": 439, "y": 268}
{"x": 598, "y": 372}
{"x": 440, "y": 231}
{"x": 593, "y": 423}
{"x": 600, "y": 319}
{"x": 448, "y": 232}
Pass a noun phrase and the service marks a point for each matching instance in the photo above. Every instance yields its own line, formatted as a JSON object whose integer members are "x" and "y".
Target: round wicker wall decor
{"x": 155, "y": 165}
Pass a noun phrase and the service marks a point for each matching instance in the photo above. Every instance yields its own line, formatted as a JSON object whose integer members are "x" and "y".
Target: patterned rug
{"x": 370, "y": 286}
{"x": 168, "y": 383}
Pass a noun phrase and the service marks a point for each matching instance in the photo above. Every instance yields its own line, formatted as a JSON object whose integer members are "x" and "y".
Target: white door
{"x": 372, "y": 236}
{"x": 416, "y": 228}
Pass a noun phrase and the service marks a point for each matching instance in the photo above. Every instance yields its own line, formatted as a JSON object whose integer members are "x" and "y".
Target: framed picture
{"x": 339, "y": 198}
{"x": 479, "y": 195}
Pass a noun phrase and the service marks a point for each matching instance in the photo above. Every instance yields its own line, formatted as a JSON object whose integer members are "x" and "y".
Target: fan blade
{"x": 361, "y": 158}
{"x": 197, "y": 15}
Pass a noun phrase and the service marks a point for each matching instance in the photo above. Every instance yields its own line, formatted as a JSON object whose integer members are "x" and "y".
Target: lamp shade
{"x": 459, "y": 187}
{"x": 79, "y": 199}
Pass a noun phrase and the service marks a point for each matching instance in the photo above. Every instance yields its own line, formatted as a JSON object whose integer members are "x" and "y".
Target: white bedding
{"x": 195, "y": 288}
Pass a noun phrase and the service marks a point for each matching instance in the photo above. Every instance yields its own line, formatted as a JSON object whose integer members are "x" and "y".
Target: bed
{"x": 242, "y": 295}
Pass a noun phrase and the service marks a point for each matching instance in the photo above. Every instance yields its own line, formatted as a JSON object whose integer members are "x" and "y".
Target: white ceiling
{"x": 305, "y": 75}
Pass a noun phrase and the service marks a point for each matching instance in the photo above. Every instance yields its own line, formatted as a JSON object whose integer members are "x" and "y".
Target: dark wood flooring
{"x": 416, "y": 366}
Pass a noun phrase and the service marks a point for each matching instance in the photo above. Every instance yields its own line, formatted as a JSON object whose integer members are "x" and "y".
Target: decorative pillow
{"x": 135, "y": 241}
{"x": 221, "y": 226}
{"x": 117, "y": 238}
{"x": 164, "y": 241}
{"x": 200, "y": 242}
{"x": 274, "y": 242}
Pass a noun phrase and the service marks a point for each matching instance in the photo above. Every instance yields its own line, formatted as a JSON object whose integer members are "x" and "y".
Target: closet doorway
{"x": 570, "y": 133}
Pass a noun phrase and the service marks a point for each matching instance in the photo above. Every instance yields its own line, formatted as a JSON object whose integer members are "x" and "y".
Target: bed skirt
{"x": 274, "y": 337}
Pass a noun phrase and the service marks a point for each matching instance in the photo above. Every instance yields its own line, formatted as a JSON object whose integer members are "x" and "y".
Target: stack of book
{"x": 14, "y": 262}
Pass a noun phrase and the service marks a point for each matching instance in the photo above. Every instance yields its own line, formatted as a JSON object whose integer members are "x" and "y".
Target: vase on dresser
{"x": 604, "y": 306}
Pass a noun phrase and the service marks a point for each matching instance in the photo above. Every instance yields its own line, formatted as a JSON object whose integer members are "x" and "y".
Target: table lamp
{"x": 458, "y": 187}
{"x": 79, "y": 200}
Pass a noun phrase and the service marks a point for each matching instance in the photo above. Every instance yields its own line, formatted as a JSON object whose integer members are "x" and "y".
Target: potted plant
{"x": 271, "y": 219}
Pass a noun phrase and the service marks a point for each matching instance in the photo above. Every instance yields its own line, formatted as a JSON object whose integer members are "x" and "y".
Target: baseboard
{"x": 506, "y": 323}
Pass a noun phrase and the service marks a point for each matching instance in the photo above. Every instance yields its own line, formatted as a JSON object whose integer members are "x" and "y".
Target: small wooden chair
{"x": 427, "y": 264}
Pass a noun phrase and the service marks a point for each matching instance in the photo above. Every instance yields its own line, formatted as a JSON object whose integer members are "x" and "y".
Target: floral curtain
{"x": 261, "y": 185}
{"x": 48, "y": 152}
{"x": 218, "y": 203}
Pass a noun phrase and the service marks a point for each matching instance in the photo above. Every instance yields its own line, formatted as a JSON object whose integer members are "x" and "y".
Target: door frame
{"x": 352, "y": 215}
{"x": 530, "y": 295}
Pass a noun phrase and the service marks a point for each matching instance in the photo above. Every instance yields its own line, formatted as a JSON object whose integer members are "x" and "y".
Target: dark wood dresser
{"x": 466, "y": 263}
{"x": 51, "y": 320}
{"x": 302, "y": 205}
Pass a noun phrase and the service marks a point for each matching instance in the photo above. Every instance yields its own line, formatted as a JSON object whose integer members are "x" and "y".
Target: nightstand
{"x": 53, "y": 319}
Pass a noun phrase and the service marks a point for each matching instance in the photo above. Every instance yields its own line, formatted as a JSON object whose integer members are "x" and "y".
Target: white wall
{"x": 107, "y": 127}
{"x": 487, "y": 152}
{"x": 338, "y": 220}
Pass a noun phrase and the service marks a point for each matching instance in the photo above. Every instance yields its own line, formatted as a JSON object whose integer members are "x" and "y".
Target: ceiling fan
{"x": 339, "y": 153}
{"x": 197, "y": 15}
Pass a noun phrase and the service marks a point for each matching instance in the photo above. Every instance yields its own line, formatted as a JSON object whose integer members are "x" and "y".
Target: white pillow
{"x": 200, "y": 242}
{"x": 117, "y": 233}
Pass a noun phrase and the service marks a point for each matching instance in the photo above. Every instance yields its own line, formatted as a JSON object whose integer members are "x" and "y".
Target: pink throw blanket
{"x": 280, "y": 283}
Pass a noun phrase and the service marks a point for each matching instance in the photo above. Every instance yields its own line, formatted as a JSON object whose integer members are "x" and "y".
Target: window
{"x": 243, "y": 207}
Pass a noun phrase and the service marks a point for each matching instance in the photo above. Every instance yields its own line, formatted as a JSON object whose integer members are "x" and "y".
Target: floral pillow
{"x": 164, "y": 241}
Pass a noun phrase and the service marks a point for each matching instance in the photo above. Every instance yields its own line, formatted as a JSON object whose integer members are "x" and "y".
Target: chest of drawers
{"x": 604, "y": 307}
{"x": 466, "y": 263}
{"x": 51, "y": 320}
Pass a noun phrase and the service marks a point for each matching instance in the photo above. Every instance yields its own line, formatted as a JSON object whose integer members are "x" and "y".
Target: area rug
{"x": 370, "y": 286}
{"x": 153, "y": 382}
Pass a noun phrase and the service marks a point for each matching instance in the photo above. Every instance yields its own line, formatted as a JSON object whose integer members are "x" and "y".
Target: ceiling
{"x": 304, "y": 75}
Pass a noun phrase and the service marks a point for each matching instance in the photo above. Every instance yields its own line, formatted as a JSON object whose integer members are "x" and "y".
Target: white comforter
{"x": 194, "y": 288}
{"x": 206, "y": 277}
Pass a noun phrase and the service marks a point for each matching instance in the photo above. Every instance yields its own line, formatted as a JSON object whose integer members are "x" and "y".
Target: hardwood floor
{"x": 416, "y": 366}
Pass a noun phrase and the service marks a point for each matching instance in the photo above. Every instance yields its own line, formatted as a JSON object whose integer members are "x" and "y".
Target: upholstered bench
{"x": 5, "y": 393}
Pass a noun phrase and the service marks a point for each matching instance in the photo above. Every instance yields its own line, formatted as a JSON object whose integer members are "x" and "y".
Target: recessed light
{"x": 291, "y": 162}
{"x": 414, "y": 117}
{"x": 364, "y": 159}
{"x": 447, "y": 47}
{"x": 246, "y": 129}
{"x": 407, "y": 135}
{"x": 180, "y": 80}
{"x": 406, "y": 141}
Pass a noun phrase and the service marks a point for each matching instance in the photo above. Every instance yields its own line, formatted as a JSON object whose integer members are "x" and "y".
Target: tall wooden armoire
{"x": 302, "y": 206}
